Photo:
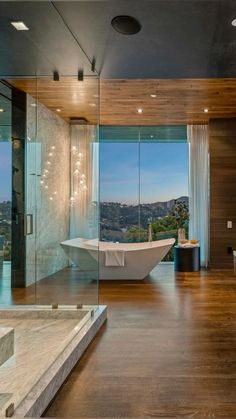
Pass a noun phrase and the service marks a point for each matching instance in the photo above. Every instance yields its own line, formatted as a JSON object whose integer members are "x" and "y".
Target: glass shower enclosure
{"x": 49, "y": 229}
{"x": 51, "y": 145}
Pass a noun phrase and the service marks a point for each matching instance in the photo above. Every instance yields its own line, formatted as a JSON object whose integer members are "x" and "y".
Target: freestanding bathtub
{"x": 139, "y": 258}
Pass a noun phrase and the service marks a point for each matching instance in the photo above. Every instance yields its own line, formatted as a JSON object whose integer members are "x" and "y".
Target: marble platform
{"x": 47, "y": 346}
{"x": 6, "y": 343}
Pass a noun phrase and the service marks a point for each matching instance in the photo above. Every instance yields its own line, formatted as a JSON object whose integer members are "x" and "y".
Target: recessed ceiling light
{"x": 153, "y": 95}
{"x": 140, "y": 110}
{"x": 58, "y": 110}
{"x": 33, "y": 104}
{"x": 151, "y": 136}
{"x": 233, "y": 23}
{"x": 206, "y": 110}
{"x": 2, "y": 110}
{"x": 20, "y": 26}
{"x": 126, "y": 25}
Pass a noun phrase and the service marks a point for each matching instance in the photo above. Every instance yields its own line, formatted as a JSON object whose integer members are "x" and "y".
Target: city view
{"x": 5, "y": 230}
{"x": 129, "y": 223}
{"x": 5, "y": 200}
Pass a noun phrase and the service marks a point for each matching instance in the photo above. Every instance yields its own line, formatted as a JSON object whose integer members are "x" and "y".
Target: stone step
{"x": 6, "y": 343}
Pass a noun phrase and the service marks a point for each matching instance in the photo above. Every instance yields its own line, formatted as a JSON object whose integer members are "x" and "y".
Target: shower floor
{"x": 39, "y": 339}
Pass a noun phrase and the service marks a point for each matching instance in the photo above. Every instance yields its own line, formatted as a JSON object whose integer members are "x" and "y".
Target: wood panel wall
{"x": 222, "y": 191}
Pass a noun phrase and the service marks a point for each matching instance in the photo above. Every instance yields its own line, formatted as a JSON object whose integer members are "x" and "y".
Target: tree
{"x": 166, "y": 223}
{"x": 181, "y": 214}
{"x": 136, "y": 234}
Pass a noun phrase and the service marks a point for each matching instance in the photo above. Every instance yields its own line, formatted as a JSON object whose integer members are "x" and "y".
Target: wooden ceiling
{"x": 75, "y": 99}
{"x": 177, "y": 101}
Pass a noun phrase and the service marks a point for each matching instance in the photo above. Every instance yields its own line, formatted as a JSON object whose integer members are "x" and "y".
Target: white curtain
{"x": 199, "y": 188}
{"x": 84, "y": 212}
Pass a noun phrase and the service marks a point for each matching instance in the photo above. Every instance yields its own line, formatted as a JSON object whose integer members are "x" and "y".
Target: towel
{"x": 115, "y": 258}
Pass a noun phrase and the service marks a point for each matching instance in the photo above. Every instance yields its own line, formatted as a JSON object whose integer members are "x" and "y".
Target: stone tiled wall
{"x": 48, "y": 202}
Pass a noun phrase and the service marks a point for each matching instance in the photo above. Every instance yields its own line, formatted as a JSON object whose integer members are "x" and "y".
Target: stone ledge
{"x": 6, "y": 343}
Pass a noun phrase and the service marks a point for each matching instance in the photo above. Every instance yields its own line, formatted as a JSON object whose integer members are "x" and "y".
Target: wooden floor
{"x": 167, "y": 350}
{"x": 68, "y": 286}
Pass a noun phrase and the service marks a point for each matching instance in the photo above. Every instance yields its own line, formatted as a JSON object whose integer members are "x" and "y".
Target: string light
{"x": 79, "y": 178}
{"x": 46, "y": 174}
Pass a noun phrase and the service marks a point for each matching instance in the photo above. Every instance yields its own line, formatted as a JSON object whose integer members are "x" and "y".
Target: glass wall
{"x": 144, "y": 180}
{"x": 67, "y": 192}
{"x": 50, "y": 144}
{"x": 15, "y": 178}
{"x": 5, "y": 193}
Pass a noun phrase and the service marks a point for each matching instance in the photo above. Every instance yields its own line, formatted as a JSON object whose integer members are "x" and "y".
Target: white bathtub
{"x": 140, "y": 258}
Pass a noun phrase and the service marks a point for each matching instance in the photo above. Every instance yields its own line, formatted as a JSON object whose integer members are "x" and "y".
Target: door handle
{"x": 28, "y": 224}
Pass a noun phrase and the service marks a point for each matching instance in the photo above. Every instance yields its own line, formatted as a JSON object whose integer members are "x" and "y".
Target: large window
{"x": 143, "y": 180}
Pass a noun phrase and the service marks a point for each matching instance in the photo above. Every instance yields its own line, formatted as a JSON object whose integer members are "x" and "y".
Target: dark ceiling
{"x": 179, "y": 38}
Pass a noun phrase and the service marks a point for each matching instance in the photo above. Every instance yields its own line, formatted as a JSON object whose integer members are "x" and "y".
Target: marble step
{"x": 6, "y": 343}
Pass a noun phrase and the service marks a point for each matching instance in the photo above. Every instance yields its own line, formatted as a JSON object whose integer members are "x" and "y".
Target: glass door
{"x": 5, "y": 195}
{"x": 17, "y": 284}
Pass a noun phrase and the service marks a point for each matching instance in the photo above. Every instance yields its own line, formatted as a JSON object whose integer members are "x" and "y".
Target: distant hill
{"x": 116, "y": 218}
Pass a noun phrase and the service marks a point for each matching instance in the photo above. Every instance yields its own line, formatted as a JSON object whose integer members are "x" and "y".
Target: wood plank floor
{"x": 68, "y": 286}
{"x": 167, "y": 350}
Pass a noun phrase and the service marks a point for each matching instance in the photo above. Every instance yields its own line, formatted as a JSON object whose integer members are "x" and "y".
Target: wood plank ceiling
{"x": 68, "y": 97}
{"x": 175, "y": 101}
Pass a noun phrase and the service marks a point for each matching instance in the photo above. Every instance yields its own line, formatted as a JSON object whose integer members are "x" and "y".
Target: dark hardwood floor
{"x": 68, "y": 287}
{"x": 168, "y": 350}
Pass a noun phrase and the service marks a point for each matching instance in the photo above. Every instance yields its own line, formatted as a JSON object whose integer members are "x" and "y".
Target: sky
{"x": 163, "y": 172}
{"x": 5, "y": 171}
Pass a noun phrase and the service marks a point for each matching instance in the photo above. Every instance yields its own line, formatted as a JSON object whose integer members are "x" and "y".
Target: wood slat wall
{"x": 222, "y": 191}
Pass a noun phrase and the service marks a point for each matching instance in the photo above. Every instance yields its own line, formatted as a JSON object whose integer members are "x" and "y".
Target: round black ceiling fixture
{"x": 127, "y": 25}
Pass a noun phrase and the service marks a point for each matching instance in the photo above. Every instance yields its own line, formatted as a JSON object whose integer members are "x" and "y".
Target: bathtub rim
{"x": 90, "y": 244}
